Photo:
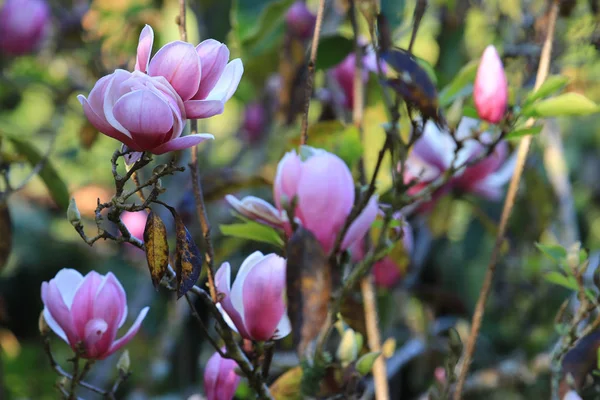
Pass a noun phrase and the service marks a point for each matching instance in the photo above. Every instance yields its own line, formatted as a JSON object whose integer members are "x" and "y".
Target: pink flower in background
{"x": 257, "y": 209}
{"x": 255, "y": 305}
{"x": 388, "y": 271}
{"x": 343, "y": 74}
{"x": 135, "y": 223}
{"x": 24, "y": 24}
{"x": 220, "y": 379}
{"x": 324, "y": 188}
{"x": 300, "y": 21}
{"x": 201, "y": 75}
{"x": 254, "y": 123}
{"x": 490, "y": 92}
{"x": 88, "y": 311}
{"x": 141, "y": 111}
{"x": 433, "y": 154}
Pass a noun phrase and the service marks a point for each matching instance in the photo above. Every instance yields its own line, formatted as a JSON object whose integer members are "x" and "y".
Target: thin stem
{"x": 311, "y": 72}
{"x": 542, "y": 73}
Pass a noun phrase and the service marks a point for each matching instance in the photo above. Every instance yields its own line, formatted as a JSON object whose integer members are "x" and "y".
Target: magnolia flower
{"x": 201, "y": 75}
{"x": 300, "y": 21}
{"x": 343, "y": 74}
{"x": 434, "y": 153}
{"x": 220, "y": 378}
{"x": 254, "y": 123}
{"x": 258, "y": 210}
{"x": 141, "y": 111}
{"x": 86, "y": 312}
{"x": 24, "y": 24}
{"x": 324, "y": 188}
{"x": 490, "y": 91}
{"x": 255, "y": 305}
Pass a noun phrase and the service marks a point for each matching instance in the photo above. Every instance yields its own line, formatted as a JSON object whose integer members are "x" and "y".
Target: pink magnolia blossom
{"x": 343, "y": 74}
{"x": 388, "y": 271}
{"x": 86, "y": 312}
{"x": 433, "y": 154}
{"x": 24, "y": 24}
{"x": 254, "y": 123}
{"x": 324, "y": 188}
{"x": 300, "y": 21}
{"x": 201, "y": 75}
{"x": 220, "y": 379}
{"x": 141, "y": 111}
{"x": 490, "y": 92}
{"x": 255, "y": 305}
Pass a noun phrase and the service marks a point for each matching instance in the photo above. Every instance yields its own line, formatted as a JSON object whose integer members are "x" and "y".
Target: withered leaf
{"x": 580, "y": 361}
{"x": 5, "y": 234}
{"x": 308, "y": 287}
{"x": 157, "y": 247}
{"x": 287, "y": 386}
{"x": 413, "y": 83}
{"x": 188, "y": 258}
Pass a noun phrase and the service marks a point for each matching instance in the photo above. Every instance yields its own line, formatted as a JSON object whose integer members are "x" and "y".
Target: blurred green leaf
{"x": 554, "y": 251}
{"x": 519, "y": 133}
{"x": 461, "y": 85}
{"x": 332, "y": 51}
{"x": 557, "y": 278}
{"x": 253, "y": 231}
{"x": 56, "y": 186}
{"x": 365, "y": 363}
{"x": 564, "y": 105}
{"x": 551, "y": 85}
{"x": 251, "y": 28}
{"x": 337, "y": 138}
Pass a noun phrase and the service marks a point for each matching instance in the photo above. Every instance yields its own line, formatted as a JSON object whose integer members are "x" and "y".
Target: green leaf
{"x": 157, "y": 247}
{"x": 519, "y": 133}
{"x": 365, "y": 363}
{"x": 252, "y": 29}
{"x": 551, "y": 85}
{"x": 564, "y": 105}
{"x": 559, "y": 279}
{"x": 554, "y": 251}
{"x": 461, "y": 85}
{"x": 56, "y": 186}
{"x": 336, "y": 138}
{"x": 253, "y": 231}
{"x": 332, "y": 51}
{"x": 469, "y": 111}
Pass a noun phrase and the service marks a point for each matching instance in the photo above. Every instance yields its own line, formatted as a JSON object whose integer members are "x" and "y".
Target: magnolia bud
{"x": 24, "y": 24}
{"x": 124, "y": 362}
{"x": 349, "y": 347}
{"x": 366, "y": 362}
{"x": 254, "y": 123}
{"x": 73, "y": 214}
{"x": 490, "y": 92}
{"x": 300, "y": 21}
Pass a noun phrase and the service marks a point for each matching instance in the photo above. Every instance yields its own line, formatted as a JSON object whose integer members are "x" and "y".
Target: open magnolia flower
{"x": 201, "y": 75}
{"x": 434, "y": 153}
{"x": 86, "y": 312}
{"x": 255, "y": 305}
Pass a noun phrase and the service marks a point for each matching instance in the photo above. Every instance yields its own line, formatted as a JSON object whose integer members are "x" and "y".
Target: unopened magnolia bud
{"x": 364, "y": 365}
{"x": 348, "y": 349}
{"x": 43, "y": 325}
{"x": 490, "y": 92}
{"x": 300, "y": 21}
{"x": 73, "y": 214}
{"x": 124, "y": 362}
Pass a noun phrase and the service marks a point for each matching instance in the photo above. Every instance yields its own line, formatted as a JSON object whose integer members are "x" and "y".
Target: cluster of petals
{"x": 147, "y": 109}
{"x": 255, "y": 305}
{"x": 434, "y": 153}
{"x": 220, "y": 378}
{"x": 24, "y": 24}
{"x": 86, "y": 312}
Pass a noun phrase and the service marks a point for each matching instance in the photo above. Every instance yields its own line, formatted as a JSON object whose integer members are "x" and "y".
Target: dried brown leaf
{"x": 157, "y": 247}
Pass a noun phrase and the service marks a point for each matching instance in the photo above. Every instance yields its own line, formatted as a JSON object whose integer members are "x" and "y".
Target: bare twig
{"x": 542, "y": 72}
{"x": 311, "y": 72}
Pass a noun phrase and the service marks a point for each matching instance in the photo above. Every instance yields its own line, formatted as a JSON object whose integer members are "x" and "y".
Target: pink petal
{"x": 213, "y": 57}
{"x": 93, "y": 331}
{"x": 223, "y": 284}
{"x": 111, "y": 306}
{"x": 386, "y": 273}
{"x": 82, "y": 310}
{"x": 147, "y": 116}
{"x": 130, "y": 333}
{"x": 228, "y": 380}
{"x": 144, "y": 49}
{"x": 197, "y": 109}
{"x": 263, "y": 297}
{"x": 179, "y": 63}
{"x": 236, "y": 296}
{"x": 211, "y": 375}
{"x": 288, "y": 174}
{"x": 181, "y": 143}
{"x": 228, "y": 82}
{"x": 362, "y": 223}
{"x": 59, "y": 313}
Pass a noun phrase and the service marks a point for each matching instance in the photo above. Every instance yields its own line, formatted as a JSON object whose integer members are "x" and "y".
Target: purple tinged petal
{"x": 228, "y": 82}
{"x": 223, "y": 284}
{"x": 181, "y": 143}
{"x": 144, "y": 49}
{"x": 220, "y": 378}
{"x": 61, "y": 315}
{"x": 211, "y": 375}
{"x": 490, "y": 91}
{"x": 93, "y": 331}
{"x": 213, "y": 57}
{"x": 289, "y": 171}
{"x": 112, "y": 95}
{"x": 236, "y": 296}
{"x": 130, "y": 333}
{"x": 199, "y": 109}
{"x": 83, "y": 302}
{"x": 179, "y": 63}
{"x": 362, "y": 223}
{"x": 263, "y": 297}
{"x": 110, "y": 305}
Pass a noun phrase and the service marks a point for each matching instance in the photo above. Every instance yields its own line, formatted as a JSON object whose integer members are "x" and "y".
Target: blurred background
{"x": 88, "y": 39}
